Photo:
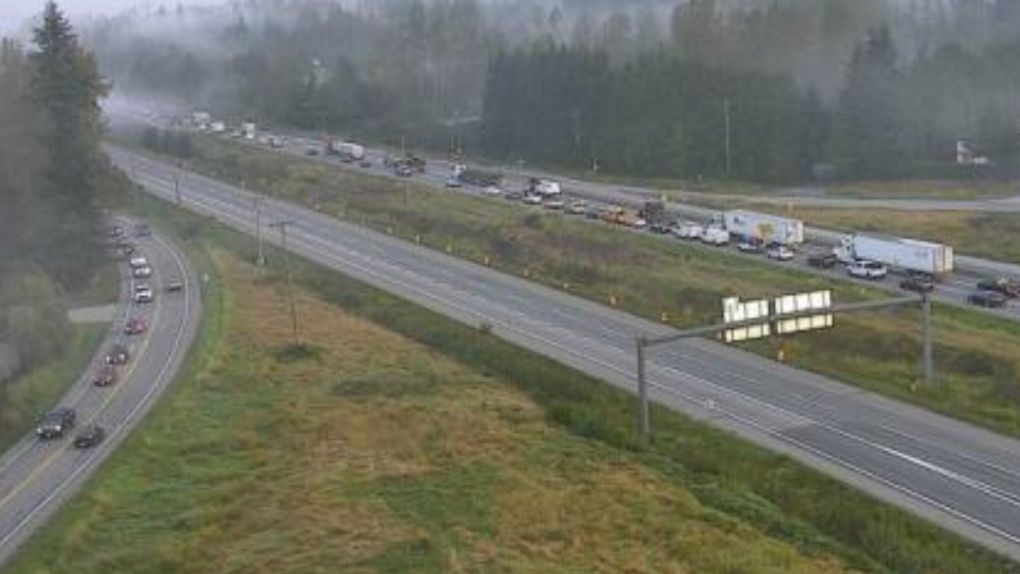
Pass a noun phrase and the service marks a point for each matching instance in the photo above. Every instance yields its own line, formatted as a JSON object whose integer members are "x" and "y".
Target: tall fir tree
{"x": 870, "y": 132}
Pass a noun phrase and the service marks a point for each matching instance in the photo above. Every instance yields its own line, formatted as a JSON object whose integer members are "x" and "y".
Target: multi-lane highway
{"x": 37, "y": 476}
{"x": 962, "y": 477}
{"x": 953, "y": 290}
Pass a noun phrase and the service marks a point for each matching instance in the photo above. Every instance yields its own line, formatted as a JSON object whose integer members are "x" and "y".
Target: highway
{"x": 36, "y": 476}
{"x": 953, "y": 290}
{"x": 957, "y": 475}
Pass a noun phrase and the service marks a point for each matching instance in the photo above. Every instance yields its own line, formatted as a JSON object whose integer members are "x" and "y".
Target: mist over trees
{"x": 52, "y": 176}
{"x": 875, "y": 88}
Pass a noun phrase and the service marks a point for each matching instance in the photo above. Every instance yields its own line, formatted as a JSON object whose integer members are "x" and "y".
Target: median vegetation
{"x": 381, "y": 450}
{"x": 977, "y": 357}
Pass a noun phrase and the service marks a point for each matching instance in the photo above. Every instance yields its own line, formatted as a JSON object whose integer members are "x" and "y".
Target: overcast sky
{"x": 14, "y": 13}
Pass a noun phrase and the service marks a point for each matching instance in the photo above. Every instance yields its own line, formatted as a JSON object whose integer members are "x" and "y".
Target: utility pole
{"x": 260, "y": 260}
{"x": 726, "y": 120}
{"x": 927, "y": 354}
{"x": 283, "y": 225}
{"x": 644, "y": 426}
{"x": 177, "y": 183}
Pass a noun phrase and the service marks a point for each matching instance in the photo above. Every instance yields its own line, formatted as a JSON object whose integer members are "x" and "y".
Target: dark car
{"x": 118, "y": 355}
{"x": 105, "y": 376}
{"x": 990, "y": 299}
{"x": 660, "y": 228}
{"x": 513, "y": 195}
{"x": 822, "y": 260}
{"x": 142, "y": 230}
{"x": 918, "y": 284}
{"x": 365, "y": 164}
{"x": 56, "y": 423}
{"x": 174, "y": 285}
{"x": 89, "y": 436}
{"x": 1005, "y": 286}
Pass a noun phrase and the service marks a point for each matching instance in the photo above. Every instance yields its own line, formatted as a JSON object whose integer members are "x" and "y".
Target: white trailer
{"x": 714, "y": 235}
{"x": 764, "y": 228}
{"x": 934, "y": 259}
{"x": 217, "y": 127}
{"x": 689, "y": 230}
{"x": 248, "y": 129}
{"x": 347, "y": 151}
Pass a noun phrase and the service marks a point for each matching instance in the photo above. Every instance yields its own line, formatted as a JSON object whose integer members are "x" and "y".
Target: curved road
{"x": 36, "y": 476}
{"x": 959, "y": 476}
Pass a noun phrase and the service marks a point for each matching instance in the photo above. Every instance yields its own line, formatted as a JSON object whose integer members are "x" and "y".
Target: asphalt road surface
{"x": 37, "y": 476}
{"x": 953, "y": 290}
{"x": 959, "y": 476}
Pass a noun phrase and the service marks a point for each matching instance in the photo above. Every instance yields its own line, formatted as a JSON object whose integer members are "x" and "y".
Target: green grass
{"x": 257, "y": 464}
{"x": 26, "y": 398}
{"x": 976, "y": 357}
{"x": 729, "y": 479}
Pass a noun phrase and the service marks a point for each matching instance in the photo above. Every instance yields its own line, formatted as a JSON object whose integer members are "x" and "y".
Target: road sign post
{"x": 644, "y": 426}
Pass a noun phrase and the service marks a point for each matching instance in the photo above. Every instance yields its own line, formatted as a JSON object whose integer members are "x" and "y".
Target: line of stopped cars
{"x": 61, "y": 421}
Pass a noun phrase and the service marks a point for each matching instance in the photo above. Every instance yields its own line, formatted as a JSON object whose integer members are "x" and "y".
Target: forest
{"x": 53, "y": 177}
{"x": 779, "y": 91}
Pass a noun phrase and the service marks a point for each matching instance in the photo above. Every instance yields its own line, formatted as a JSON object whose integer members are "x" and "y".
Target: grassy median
{"x": 977, "y": 358}
{"x": 400, "y": 441}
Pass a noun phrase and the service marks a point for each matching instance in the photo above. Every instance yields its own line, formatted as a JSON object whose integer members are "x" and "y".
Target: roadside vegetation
{"x": 378, "y": 449}
{"x": 977, "y": 357}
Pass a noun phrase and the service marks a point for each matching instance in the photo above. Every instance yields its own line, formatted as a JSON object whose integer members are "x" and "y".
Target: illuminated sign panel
{"x": 735, "y": 311}
{"x": 802, "y": 302}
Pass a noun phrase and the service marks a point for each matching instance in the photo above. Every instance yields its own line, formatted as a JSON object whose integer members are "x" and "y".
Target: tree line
{"x": 52, "y": 180}
{"x": 769, "y": 91}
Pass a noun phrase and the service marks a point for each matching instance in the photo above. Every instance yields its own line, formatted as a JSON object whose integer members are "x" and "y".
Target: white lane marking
{"x": 782, "y": 437}
{"x": 88, "y": 462}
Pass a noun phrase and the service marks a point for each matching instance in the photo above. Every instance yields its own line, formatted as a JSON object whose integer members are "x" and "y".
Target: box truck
{"x": 348, "y": 151}
{"x": 763, "y": 228}
{"x": 934, "y": 259}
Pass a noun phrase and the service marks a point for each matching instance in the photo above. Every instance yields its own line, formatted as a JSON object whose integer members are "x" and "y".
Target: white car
{"x": 493, "y": 190}
{"x": 143, "y": 272}
{"x": 532, "y": 199}
{"x": 554, "y": 204}
{"x": 779, "y": 253}
{"x": 139, "y": 261}
{"x": 143, "y": 294}
{"x": 863, "y": 269}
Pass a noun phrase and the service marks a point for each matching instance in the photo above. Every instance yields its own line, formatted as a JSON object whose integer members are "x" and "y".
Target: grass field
{"x": 977, "y": 358}
{"x": 372, "y": 453}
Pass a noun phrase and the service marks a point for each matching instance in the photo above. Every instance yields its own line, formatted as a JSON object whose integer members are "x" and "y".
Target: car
{"x": 118, "y": 355}
{"x": 577, "y": 207}
{"x": 779, "y": 253}
{"x": 638, "y": 223}
{"x": 56, "y": 423}
{"x": 553, "y": 204}
{"x": 750, "y": 247}
{"x": 660, "y": 228}
{"x": 822, "y": 260}
{"x": 513, "y": 196}
{"x": 143, "y": 230}
{"x": 864, "y": 269}
{"x": 990, "y": 299}
{"x": 1003, "y": 285}
{"x": 312, "y": 151}
{"x": 135, "y": 326}
{"x": 918, "y": 283}
{"x": 138, "y": 261}
{"x": 143, "y": 295}
{"x": 115, "y": 232}
{"x": 404, "y": 171}
{"x": 105, "y": 376}
{"x": 453, "y": 183}
{"x": 89, "y": 436}
{"x": 493, "y": 190}
{"x": 174, "y": 285}
{"x": 533, "y": 199}
{"x": 593, "y": 213}
{"x": 143, "y": 272}
{"x": 365, "y": 164}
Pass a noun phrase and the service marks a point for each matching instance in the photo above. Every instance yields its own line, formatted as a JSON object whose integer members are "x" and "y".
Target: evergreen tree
{"x": 869, "y": 132}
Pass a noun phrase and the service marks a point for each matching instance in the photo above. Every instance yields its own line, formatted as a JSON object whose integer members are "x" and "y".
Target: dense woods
{"x": 778, "y": 91}
{"x": 52, "y": 177}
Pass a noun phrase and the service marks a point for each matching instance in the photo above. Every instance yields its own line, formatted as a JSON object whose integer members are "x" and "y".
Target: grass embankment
{"x": 379, "y": 452}
{"x": 26, "y": 398}
{"x": 977, "y": 357}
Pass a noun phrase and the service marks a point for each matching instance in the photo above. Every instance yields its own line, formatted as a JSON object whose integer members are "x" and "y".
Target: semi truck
{"x": 933, "y": 259}
{"x": 347, "y": 151}
{"x": 762, "y": 228}
{"x": 478, "y": 177}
